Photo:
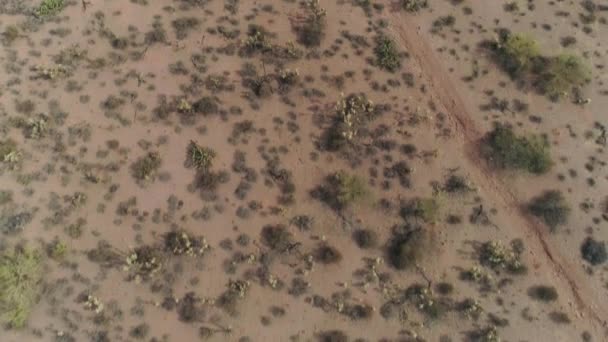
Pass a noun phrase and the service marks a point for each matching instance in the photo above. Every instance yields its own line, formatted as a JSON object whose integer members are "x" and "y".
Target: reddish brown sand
{"x": 440, "y": 115}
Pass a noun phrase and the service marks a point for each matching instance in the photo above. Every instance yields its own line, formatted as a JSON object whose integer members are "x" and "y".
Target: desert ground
{"x": 286, "y": 170}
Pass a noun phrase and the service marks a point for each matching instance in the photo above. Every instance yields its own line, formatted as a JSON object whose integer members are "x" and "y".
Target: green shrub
{"x": 387, "y": 54}
{"x": 543, "y": 293}
{"x": 594, "y": 252}
{"x": 20, "y": 280}
{"x": 49, "y": 7}
{"x": 508, "y": 151}
{"x": 551, "y": 207}
{"x": 517, "y": 54}
{"x": 562, "y": 73}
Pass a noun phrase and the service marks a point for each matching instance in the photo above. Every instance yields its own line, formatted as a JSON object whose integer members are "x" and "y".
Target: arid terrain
{"x": 287, "y": 170}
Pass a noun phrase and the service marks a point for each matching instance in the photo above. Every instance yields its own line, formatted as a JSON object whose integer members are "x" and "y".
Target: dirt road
{"x": 441, "y": 86}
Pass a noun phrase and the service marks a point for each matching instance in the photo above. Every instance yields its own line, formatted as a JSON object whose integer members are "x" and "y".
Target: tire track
{"x": 440, "y": 84}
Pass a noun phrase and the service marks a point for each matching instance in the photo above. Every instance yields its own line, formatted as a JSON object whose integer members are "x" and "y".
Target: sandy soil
{"x": 128, "y": 84}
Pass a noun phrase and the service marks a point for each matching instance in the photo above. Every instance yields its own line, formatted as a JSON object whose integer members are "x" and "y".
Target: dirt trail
{"x": 441, "y": 86}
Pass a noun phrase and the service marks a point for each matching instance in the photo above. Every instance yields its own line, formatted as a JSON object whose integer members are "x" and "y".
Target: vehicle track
{"x": 439, "y": 83}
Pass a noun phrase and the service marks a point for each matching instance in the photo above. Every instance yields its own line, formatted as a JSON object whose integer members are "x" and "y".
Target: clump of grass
{"x": 543, "y": 293}
{"x": 498, "y": 257}
{"x": 408, "y": 248}
{"x": 426, "y": 209}
{"x": 387, "y": 54}
{"x": 312, "y": 31}
{"x": 517, "y": 54}
{"x": 551, "y": 207}
{"x": 414, "y": 5}
{"x": 562, "y": 73}
{"x": 20, "y": 285}
{"x": 200, "y": 157}
{"x": 504, "y": 149}
{"x": 182, "y": 243}
{"x": 353, "y": 112}
{"x": 594, "y": 252}
{"x": 49, "y": 7}
{"x": 143, "y": 262}
{"x": 145, "y": 167}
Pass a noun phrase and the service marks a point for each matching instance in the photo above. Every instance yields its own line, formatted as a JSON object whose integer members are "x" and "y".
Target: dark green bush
{"x": 506, "y": 150}
{"x": 594, "y": 252}
{"x": 543, "y": 293}
{"x": 551, "y": 207}
{"x": 407, "y": 249}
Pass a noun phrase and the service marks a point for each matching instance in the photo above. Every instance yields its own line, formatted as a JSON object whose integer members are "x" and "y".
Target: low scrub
{"x": 594, "y": 252}
{"x": 505, "y": 150}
